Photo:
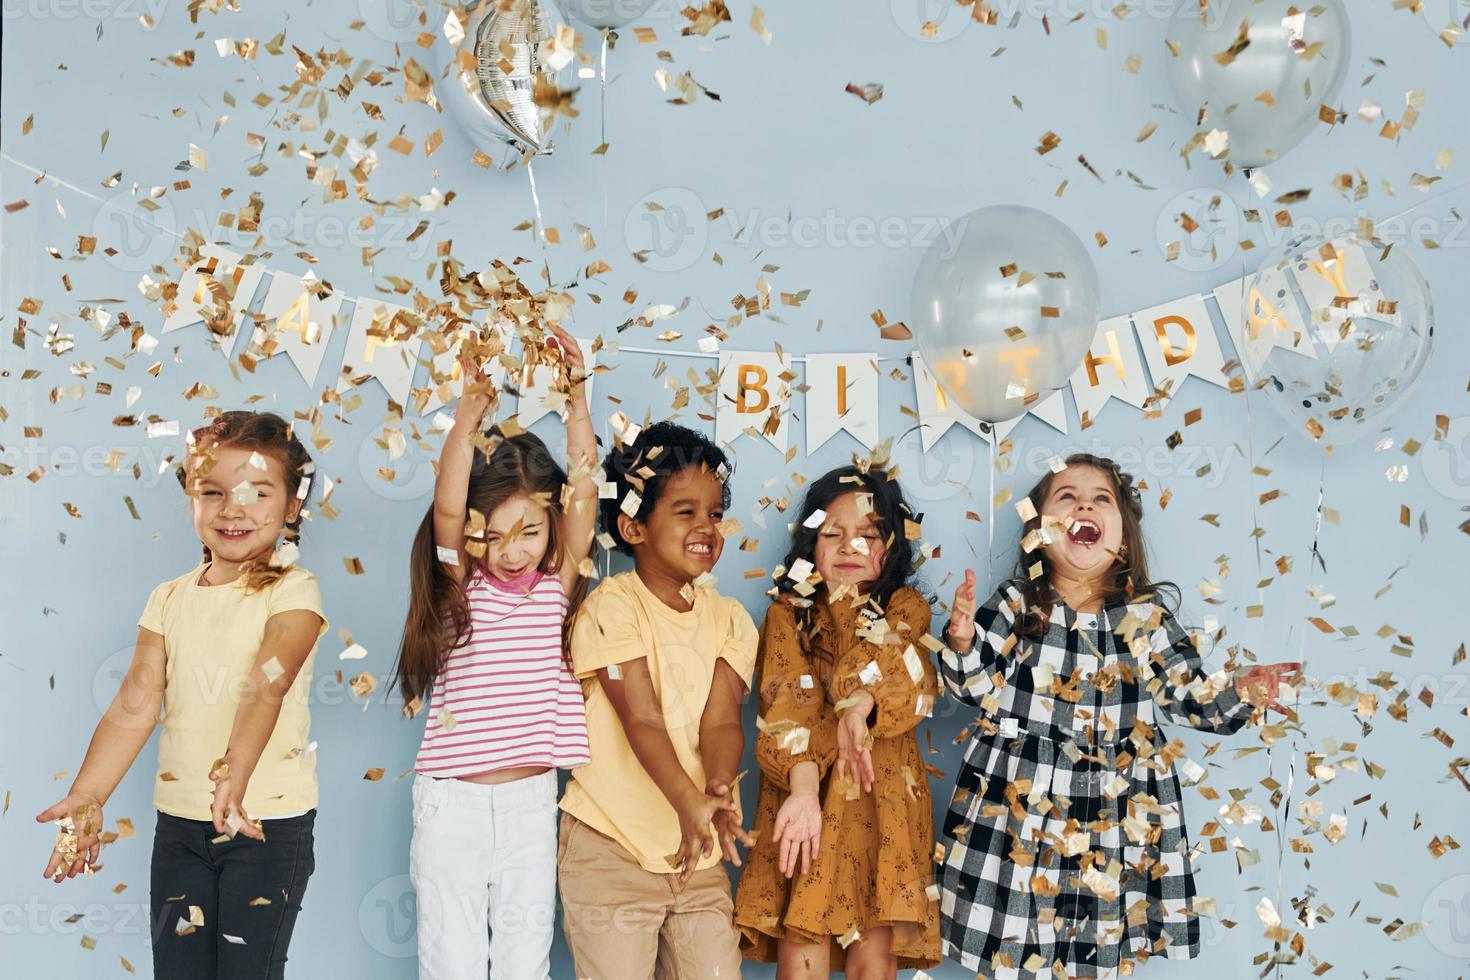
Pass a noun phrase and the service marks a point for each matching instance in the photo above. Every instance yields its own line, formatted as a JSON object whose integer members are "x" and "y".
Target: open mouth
{"x": 233, "y": 534}
{"x": 1084, "y": 532}
{"x": 701, "y": 549}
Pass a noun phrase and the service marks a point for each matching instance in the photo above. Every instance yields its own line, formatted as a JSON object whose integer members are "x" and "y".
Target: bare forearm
{"x": 805, "y": 777}
{"x": 655, "y": 752}
{"x": 721, "y": 746}
{"x": 110, "y": 755}
{"x": 255, "y": 720}
{"x": 455, "y": 461}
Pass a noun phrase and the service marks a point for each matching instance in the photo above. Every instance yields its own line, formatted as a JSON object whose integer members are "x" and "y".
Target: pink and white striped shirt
{"x": 505, "y": 697}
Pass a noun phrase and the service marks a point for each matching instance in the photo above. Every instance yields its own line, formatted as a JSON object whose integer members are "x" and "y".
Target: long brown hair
{"x": 438, "y": 612}
{"x": 1129, "y": 580}
{"x": 262, "y": 432}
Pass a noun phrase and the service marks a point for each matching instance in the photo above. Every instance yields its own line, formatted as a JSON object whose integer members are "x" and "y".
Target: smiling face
{"x": 680, "y": 540}
{"x": 516, "y": 535}
{"x": 1081, "y": 509}
{"x": 850, "y": 548}
{"x": 241, "y": 505}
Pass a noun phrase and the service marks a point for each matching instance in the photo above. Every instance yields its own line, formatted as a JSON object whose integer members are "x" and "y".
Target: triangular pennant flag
{"x": 1178, "y": 341}
{"x": 445, "y": 381}
{"x": 936, "y": 412}
{"x": 297, "y": 319}
{"x": 753, "y": 397}
{"x": 1051, "y": 409}
{"x": 1110, "y": 369}
{"x": 1260, "y": 317}
{"x": 383, "y": 342}
{"x": 218, "y": 288}
{"x": 841, "y": 393}
{"x": 538, "y": 399}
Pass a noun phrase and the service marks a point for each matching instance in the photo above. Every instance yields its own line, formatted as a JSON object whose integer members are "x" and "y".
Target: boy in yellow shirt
{"x": 664, "y": 663}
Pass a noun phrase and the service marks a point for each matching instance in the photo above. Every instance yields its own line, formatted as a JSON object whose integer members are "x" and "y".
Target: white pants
{"x": 483, "y": 864}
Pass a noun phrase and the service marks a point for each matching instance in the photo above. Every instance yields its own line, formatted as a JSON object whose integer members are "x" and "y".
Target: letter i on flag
{"x": 841, "y": 393}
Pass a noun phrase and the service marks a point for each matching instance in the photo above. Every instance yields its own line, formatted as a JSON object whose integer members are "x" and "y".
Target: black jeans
{"x": 248, "y": 891}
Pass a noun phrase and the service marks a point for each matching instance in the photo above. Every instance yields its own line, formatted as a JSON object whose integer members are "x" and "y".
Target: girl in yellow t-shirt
{"x": 226, "y": 652}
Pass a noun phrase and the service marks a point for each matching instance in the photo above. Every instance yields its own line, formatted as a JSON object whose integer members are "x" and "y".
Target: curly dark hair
{"x": 889, "y": 513}
{"x": 1129, "y": 580}
{"x": 664, "y": 449}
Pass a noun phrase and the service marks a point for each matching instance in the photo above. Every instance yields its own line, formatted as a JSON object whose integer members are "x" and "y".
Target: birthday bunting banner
{"x": 1133, "y": 357}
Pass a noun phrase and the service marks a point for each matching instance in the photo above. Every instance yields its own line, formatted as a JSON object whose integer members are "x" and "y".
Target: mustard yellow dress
{"x": 874, "y": 863}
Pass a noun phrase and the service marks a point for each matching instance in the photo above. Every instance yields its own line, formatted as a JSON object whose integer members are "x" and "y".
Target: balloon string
{"x": 602, "y": 77}
{"x": 540, "y": 223}
{"x": 1428, "y": 200}
{"x": 990, "y": 519}
{"x": 1301, "y": 656}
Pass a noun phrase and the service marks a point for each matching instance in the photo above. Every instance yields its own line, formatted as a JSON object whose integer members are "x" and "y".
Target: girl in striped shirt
{"x": 497, "y": 563}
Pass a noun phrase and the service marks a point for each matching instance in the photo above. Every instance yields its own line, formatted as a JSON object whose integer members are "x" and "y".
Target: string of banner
{"x": 297, "y": 318}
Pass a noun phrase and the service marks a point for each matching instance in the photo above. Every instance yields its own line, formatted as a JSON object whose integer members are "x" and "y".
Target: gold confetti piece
{"x": 869, "y": 93}
{"x": 758, "y": 23}
{"x": 373, "y": 775}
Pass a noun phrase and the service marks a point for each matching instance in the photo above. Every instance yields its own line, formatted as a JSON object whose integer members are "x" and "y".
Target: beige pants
{"x": 624, "y": 922}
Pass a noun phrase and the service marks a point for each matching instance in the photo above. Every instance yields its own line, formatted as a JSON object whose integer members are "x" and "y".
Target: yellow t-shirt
{"x": 621, "y": 621}
{"x": 211, "y": 637}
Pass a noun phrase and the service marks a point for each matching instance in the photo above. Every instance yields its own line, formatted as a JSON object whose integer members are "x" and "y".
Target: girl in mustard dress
{"x": 840, "y": 877}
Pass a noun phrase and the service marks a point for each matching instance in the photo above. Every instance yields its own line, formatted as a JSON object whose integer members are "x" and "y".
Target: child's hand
{"x": 727, "y": 822}
{"x": 571, "y": 353}
{"x": 961, "y": 634}
{"x": 228, "y": 809}
{"x": 696, "y": 812}
{"x": 798, "y": 830}
{"x": 1260, "y": 685}
{"x": 854, "y": 749}
{"x": 474, "y": 399}
{"x": 79, "y": 841}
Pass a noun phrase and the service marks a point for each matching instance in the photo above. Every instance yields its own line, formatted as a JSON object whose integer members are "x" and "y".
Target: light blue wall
{"x": 784, "y": 140}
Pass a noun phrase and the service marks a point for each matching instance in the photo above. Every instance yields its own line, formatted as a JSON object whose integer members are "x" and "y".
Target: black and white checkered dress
{"x": 1066, "y": 846}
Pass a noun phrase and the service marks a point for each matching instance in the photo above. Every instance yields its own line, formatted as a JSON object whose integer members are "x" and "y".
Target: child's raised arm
{"x": 289, "y": 638}
{"x": 452, "y": 482}
{"x": 977, "y": 647}
{"x": 119, "y": 737}
{"x": 579, "y": 508}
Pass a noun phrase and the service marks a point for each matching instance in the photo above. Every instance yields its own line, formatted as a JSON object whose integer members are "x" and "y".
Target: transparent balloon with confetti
{"x": 1336, "y": 331}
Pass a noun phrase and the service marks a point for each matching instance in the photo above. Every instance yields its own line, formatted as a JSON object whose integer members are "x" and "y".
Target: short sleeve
{"x": 152, "y": 618}
{"x": 297, "y": 589}
{"x": 606, "y": 631}
{"x": 741, "y": 641}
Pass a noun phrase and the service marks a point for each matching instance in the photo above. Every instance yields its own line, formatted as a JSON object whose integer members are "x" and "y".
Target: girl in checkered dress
{"x": 1066, "y": 854}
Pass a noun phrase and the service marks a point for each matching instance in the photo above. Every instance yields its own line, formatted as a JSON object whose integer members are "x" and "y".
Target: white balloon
{"x": 1266, "y": 94}
{"x": 1005, "y": 311}
{"x": 611, "y": 14}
